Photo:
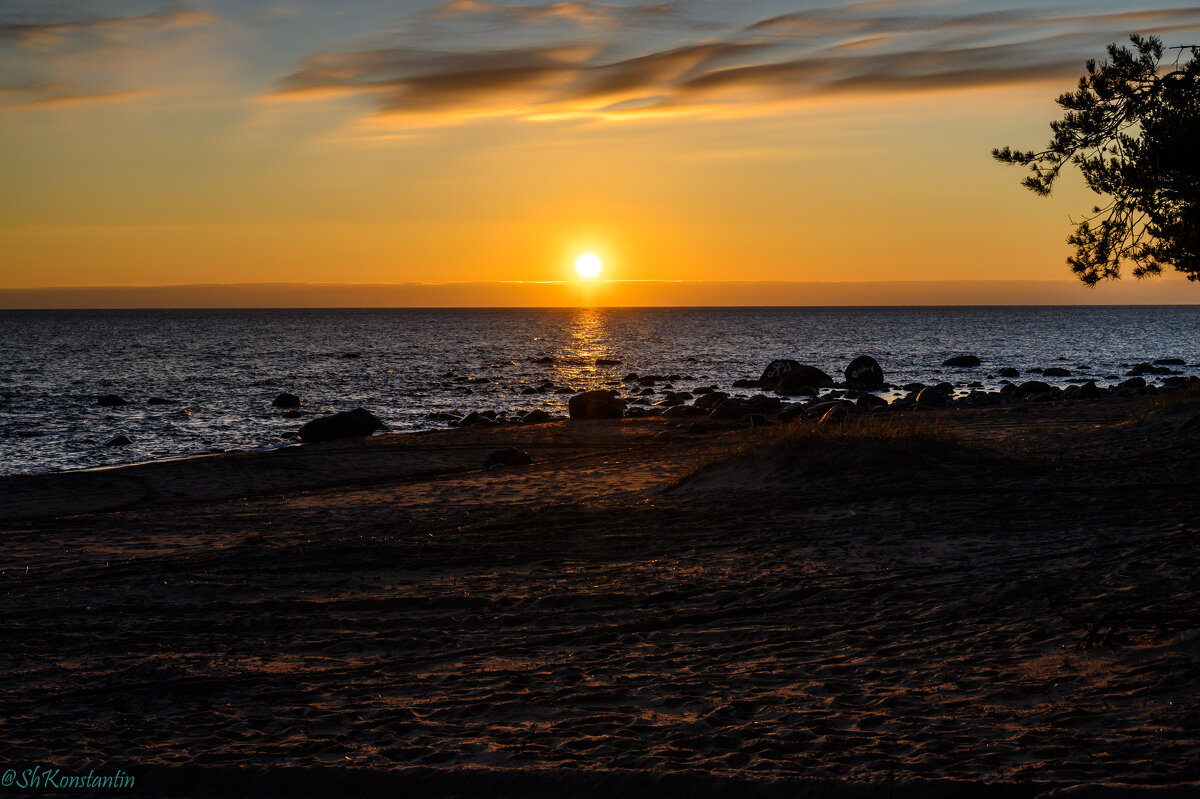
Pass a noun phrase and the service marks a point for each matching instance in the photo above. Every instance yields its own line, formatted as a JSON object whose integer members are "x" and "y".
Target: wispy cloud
{"x": 64, "y": 62}
{"x": 584, "y": 72}
{"x": 584, "y": 12}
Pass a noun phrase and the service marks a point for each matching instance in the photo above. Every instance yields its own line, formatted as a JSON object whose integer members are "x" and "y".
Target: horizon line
{"x": 609, "y": 294}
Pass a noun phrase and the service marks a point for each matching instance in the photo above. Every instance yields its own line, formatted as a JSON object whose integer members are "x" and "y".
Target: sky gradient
{"x": 406, "y": 142}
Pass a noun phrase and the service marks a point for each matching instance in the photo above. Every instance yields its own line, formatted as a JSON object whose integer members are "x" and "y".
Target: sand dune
{"x": 1001, "y": 605}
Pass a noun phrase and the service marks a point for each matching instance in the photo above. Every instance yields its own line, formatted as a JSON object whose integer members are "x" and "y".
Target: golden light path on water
{"x": 591, "y": 340}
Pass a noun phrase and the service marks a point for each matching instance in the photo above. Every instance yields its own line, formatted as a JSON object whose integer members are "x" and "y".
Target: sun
{"x": 588, "y": 265}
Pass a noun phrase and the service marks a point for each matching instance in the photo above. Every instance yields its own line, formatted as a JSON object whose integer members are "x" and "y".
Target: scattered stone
{"x": 596, "y": 405}
{"x": 864, "y": 371}
{"x": 348, "y": 424}
{"x": 536, "y": 416}
{"x": 1133, "y": 383}
{"x": 1088, "y": 390}
{"x": 1056, "y": 371}
{"x": 1033, "y": 388}
{"x": 1149, "y": 369}
{"x": 1008, "y": 371}
{"x": 529, "y": 390}
{"x": 110, "y": 401}
{"x": 507, "y": 457}
{"x": 962, "y": 360}
{"x": 744, "y": 383}
{"x": 914, "y": 388}
{"x": 286, "y": 400}
{"x": 118, "y": 441}
{"x": 1170, "y": 362}
{"x": 485, "y": 418}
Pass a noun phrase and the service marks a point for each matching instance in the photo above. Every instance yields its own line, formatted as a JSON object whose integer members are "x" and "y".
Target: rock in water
{"x": 961, "y": 360}
{"x": 864, "y": 371}
{"x": 110, "y": 400}
{"x": 1056, "y": 371}
{"x": 1008, "y": 371}
{"x": 792, "y": 382}
{"x": 536, "y": 416}
{"x": 160, "y": 401}
{"x": 348, "y": 424}
{"x": 508, "y": 457}
{"x": 596, "y": 405}
{"x": 775, "y": 370}
{"x": 118, "y": 441}
{"x": 286, "y": 400}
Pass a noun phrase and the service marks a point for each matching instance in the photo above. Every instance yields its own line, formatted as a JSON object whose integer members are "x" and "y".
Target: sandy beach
{"x": 992, "y": 602}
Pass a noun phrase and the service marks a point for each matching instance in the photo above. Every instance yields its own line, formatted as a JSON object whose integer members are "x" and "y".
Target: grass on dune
{"x": 806, "y": 447}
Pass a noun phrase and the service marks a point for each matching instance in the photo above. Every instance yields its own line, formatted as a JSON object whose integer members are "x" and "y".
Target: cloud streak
{"x": 88, "y": 61}
{"x": 743, "y": 70}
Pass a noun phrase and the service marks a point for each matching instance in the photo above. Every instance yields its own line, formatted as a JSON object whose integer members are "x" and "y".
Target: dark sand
{"x": 1010, "y": 613}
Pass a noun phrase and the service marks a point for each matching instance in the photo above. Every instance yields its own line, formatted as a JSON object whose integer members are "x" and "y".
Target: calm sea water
{"x": 223, "y": 367}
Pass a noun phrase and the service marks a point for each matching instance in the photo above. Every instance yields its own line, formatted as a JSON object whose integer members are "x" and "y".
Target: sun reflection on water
{"x": 590, "y": 340}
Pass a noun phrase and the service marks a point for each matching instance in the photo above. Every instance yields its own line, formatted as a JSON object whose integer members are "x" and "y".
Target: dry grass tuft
{"x": 1176, "y": 407}
{"x": 807, "y": 447}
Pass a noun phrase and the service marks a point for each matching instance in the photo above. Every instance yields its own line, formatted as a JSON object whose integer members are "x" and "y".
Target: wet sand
{"x": 1009, "y": 608}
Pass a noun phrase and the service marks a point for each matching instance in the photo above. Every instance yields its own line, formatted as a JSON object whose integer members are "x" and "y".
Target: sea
{"x": 221, "y": 369}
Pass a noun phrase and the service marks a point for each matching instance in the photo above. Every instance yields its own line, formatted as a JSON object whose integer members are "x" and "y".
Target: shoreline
{"x": 966, "y": 600}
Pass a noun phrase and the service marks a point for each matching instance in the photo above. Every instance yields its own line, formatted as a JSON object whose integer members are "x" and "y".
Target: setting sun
{"x": 588, "y": 265}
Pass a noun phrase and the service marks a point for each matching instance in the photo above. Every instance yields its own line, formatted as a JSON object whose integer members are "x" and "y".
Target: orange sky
{"x": 467, "y": 142}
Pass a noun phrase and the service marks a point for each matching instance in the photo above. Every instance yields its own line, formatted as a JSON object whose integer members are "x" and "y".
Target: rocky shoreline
{"x": 789, "y": 390}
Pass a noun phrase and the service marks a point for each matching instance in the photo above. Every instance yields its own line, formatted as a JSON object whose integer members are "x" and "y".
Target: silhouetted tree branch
{"x": 1134, "y": 135}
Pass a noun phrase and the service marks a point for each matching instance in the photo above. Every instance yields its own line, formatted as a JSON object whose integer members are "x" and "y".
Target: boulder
{"x": 507, "y": 457}
{"x": 961, "y": 360}
{"x": 797, "y": 388}
{"x": 864, "y": 371}
{"x": 1088, "y": 390}
{"x": 1170, "y": 362}
{"x": 286, "y": 400}
{"x": 835, "y": 415}
{"x": 1008, "y": 371}
{"x": 730, "y": 409}
{"x": 110, "y": 400}
{"x": 711, "y": 399}
{"x": 348, "y": 424}
{"x": 118, "y": 441}
{"x": 160, "y": 401}
{"x": 1133, "y": 383}
{"x": 536, "y": 416}
{"x": 596, "y": 405}
{"x": 802, "y": 376}
{"x": 777, "y": 369}
{"x": 932, "y": 396}
{"x": 869, "y": 402}
{"x": 1056, "y": 371}
{"x": 477, "y": 418}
